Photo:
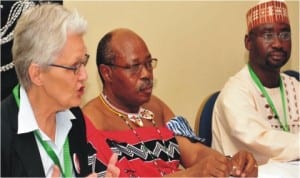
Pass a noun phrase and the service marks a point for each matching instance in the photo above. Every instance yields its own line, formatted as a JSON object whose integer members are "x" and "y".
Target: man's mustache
{"x": 147, "y": 83}
{"x": 277, "y": 51}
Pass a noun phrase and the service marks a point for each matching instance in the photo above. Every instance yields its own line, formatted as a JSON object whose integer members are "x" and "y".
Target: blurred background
{"x": 199, "y": 44}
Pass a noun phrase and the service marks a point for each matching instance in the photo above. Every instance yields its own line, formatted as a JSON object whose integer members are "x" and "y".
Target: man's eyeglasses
{"x": 270, "y": 36}
{"x": 76, "y": 67}
{"x": 137, "y": 68}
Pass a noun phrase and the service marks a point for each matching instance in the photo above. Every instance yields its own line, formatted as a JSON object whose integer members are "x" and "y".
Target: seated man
{"x": 258, "y": 108}
{"x": 128, "y": 120}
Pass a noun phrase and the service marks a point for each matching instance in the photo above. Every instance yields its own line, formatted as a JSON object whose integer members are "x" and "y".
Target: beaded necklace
{"x": 123, "y": 115}
{"x": 136, "y": 118}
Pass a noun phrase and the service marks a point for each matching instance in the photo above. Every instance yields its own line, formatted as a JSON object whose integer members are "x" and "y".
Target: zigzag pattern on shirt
{"x": 94, "y": 164}
{"x": 153, "y": 148}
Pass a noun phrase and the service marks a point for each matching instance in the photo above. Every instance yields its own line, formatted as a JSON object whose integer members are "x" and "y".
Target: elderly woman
{"x": 39, "y": 133}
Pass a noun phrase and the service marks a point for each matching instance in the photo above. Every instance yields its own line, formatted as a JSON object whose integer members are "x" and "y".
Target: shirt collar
{"x": 27, "y": 121}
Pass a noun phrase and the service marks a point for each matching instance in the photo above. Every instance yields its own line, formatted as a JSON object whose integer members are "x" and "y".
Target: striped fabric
{"x": 180, "y": 126}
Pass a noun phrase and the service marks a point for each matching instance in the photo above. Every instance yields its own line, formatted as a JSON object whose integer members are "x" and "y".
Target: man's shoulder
{"x": 90, "y": 104}
{"x": 154, "y": 102}
{"x": 159, "y": 108}
{"x": 239, "y": 79}
{"x": 92, "y": 108}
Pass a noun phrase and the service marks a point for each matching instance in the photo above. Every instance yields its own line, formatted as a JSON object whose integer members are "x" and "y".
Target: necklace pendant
{"x": 139, "y": 122}
{"x": 146, "y": 114}
{"x": 135, "y": 119}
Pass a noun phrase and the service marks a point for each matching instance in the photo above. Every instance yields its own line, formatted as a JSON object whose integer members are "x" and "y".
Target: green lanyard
{"x": 47, "y": 147}
{"x": 254, "y": 77}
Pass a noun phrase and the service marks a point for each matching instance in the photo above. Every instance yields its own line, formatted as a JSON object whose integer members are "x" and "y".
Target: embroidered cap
{"x": 271, "y": 11}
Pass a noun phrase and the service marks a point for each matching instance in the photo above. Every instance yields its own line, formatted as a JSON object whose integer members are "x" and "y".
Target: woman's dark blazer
{"x": 19, "y": 152}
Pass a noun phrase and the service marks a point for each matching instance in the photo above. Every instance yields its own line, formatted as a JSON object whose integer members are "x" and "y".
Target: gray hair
{"x": 39, "y": 36}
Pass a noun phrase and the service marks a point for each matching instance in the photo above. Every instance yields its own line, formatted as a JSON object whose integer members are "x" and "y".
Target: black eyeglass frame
{"x": 75, "y": 68}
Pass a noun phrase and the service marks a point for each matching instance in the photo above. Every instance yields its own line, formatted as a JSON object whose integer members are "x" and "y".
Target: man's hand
{"x": 214, "y": 165}
{"x": 244, "y": 165}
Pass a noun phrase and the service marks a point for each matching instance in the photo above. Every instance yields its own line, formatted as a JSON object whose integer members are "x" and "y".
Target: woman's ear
{"x": 34, "y": 72}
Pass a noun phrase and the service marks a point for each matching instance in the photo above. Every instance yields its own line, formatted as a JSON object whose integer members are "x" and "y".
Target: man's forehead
{"x": 272, "y": 26}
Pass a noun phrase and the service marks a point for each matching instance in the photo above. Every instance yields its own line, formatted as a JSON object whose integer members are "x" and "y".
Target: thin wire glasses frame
{"x": 75, "y": 68}
{"x": 136, "y": 68}
{"x": 270, "y": 36}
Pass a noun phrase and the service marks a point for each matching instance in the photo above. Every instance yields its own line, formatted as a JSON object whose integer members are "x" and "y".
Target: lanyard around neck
{"x": 257, "y": 81}
{"x": 47, "y": 147}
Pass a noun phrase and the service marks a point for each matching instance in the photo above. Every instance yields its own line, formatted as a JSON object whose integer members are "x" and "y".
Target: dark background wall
{"x": 8, "y": 77}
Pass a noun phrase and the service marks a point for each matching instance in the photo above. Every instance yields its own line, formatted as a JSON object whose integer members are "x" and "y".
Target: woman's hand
{"x": 112, "y": 169}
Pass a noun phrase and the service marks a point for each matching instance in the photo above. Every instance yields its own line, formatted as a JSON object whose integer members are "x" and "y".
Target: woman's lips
{"x": 81, "y": 90}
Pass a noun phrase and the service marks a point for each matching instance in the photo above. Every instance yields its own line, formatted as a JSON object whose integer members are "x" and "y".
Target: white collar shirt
{"x": 27, "y": 123}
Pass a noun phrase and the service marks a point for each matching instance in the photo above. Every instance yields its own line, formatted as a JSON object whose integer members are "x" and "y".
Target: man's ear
{"x": 106, "y": 72}
{"x": 248, "y": 42}
{"x": 34, "y": 72}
